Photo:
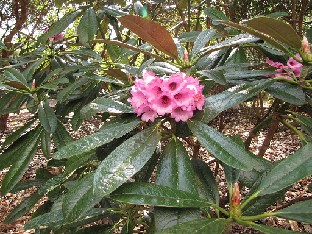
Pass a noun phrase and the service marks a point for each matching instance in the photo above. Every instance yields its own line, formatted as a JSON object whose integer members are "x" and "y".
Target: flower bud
{"x": 186, "y": 57}
{"x": 235, "y": 209}
{"x": 305, "y": 46}
{"x": 236, "y": 196}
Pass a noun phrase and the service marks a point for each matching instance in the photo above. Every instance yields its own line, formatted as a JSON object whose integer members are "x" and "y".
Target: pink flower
{"x": 178, "y": 114}
{"x": 293, "y": 68}
{"x": 163, "y": 105}
{"x": 177, "y": 96}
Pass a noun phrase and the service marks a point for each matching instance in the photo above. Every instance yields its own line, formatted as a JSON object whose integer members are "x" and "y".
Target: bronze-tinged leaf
{"x": 151, "y": 32}
{"x": 277, "y": 29}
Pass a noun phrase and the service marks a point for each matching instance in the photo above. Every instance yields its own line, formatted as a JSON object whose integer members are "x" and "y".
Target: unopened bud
{"x": 305, "y": 46}
{"x": 235, "y": 209}
{"x": 33, "y": 84}
{"x": 185, "y": 57}
{"x": 236, "y": 196}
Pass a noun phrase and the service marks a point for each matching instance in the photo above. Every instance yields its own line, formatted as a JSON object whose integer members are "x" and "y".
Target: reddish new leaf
{"x": 151, "y": 32}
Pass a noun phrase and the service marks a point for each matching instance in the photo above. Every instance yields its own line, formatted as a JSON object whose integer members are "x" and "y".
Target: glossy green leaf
{"x": 79, "y": 198}
{"x": 78, "y": 161}
{"x": 229, "y": 98}
{"x": 205, "y": 181}
{"x": 203, "y": 38}
{"x": 110, "y": 131}
{"x": 261, "y": 204}
{"x": 151, "y": 32}
{"x": 157, "y": 195}
{"x": 27, "y": 204}
{"x": 234, "y": 41}
{"x": 30, "y": 70}
{"x": 61, "y": 136}
{"x": 215, "y": 75}
{"x": 246, "y": 74}
{"x": 88, "y": 26}
{"x": 22, "y": 208}
{"x": 14, "y": 75}
{"x": 207, "y": 226}
{"x": 46, "y": 144}
{"x": 188, "y": 36}
{"x": 64, "y": 95}
{"x": 277, "y": 29}
{"x": 175, "y": 171}
{"x": 215, "y": 14}
{"x": 300, "y": 211}
{"x": 103, "y": 104}
{"x": 222, "y": 147}
{"x": 292, "y": 94}
{"x": 162, "y": 68}
{"x": 47, "y": 117}
{"x": 175, "y": 168}
{"x": 126, "y": 160}
{"x": 59, "y": 26}
{"x": 288, "y": 171}
{"x": 271, "y": 230}
{"x": 305, "y": 122}
{"x": 25, "y": 153}
{"x": 14, "y": 136}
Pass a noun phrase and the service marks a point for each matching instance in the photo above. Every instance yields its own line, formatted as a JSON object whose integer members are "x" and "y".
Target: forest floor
{"x": 237, "y": 122}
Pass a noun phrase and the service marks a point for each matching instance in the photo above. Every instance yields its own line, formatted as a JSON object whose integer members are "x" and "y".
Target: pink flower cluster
{"x": 293, "y": 68}
{"x": 178, "y": 96}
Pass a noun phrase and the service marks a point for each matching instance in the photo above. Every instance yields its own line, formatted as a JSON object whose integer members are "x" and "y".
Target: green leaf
{"x": 188, "y": 36}
{"x": 47, "y": 117}
{"x": 215, "y": 14}
{"x": 300, "y": 211}
{"x": 276, "y": 29}
{"x": 64, "y": 95}
{"x": 229, "y": 98}
{"x": 88, "y": 26}
{"x": 15, "y": 79}
{"x": 151, "y": 32}
{"x": 46, "y": 144}
{"x": 246, "y": 74}
{"x": 205, "y": 181}
{"x": 271, "y": 230}
{"x": 61, "y": 136}
{"x": 175, "y": 168}
{"x": 59, "y": 26}
{"x": 207, "y": 226}
{"x": 290, "y": 93}
{"x": 222, "y": 147}
{"x": 14, "y": 75}
{"x": 79, "y": 198}
{"x": 201, "y": 41}
{"x": 287, "y": 171}
{"x": 175, "y": 171}
{"x": 30, "y": 71}
{"x": 22, "y": 208}
{"x": 234, "y": 41}
{"x": 126, "y": 160}
{"x": 14, "y": 136}
{"x": 110, "y": 131}
{"x": 103, "y": 104}
{"x": 78, "y": 161}
{"x": 25, "y": 153}
{"x": 157, "y": 195}
{"x": 215, "y": 75}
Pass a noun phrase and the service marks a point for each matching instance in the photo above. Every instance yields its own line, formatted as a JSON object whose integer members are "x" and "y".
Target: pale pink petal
{"x": 181, "y": 115}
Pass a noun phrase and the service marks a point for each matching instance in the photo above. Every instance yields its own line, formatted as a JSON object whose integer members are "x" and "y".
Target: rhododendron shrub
{"x": 135, "y": 171}
{"x": 177, "y": 96}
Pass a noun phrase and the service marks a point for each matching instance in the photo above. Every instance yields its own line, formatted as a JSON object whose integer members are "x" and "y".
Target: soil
{"x": 237, "y": 122}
